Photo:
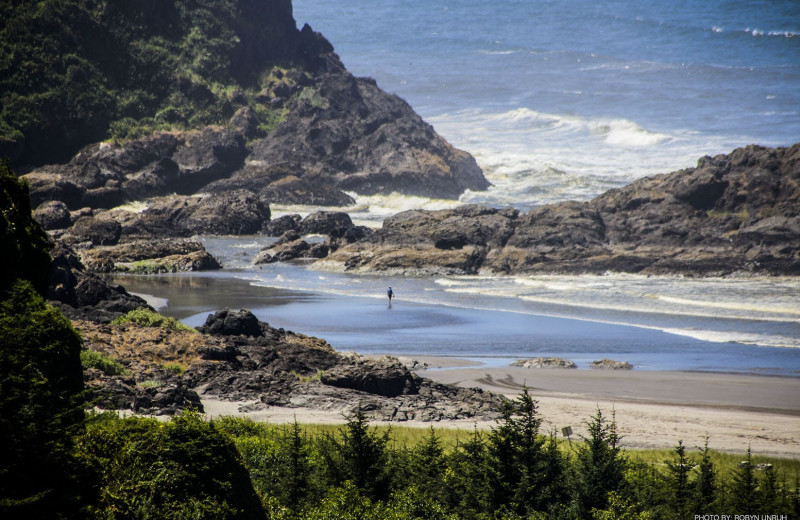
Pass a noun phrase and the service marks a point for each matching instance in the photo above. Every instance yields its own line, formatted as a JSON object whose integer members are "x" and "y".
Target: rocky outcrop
{"x": 610, "y": 364}
{"x": 150, "y": 257}
{"x": 238, "y": 358}
{"x": 732, "y": 213}
{"x": 544, "y": 362}
{"x": 345, "y": 132}
{"x": 80, "y": 294}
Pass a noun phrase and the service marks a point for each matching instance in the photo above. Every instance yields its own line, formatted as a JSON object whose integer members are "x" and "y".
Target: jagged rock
{"x": 610, "y": 364}
{"x": 84, "y": 295}
{"x": 53, "y": 214}
{"x": 227, "y": 322}
{"x": 325, "y": 222}
{"x": 350, "y": 134}
{"x": 544, "y": 362}
{"x": 281, "y": 225}
{"x": 386, "y": 376}
{"x": 283, "y": 252}
{"x": 101, "y": 230}
{"x": 734, "y": 213}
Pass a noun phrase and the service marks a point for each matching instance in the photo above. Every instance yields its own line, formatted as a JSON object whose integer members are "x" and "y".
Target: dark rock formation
{"x": 83, "y": 295}
{"x": 239, "y": 358}
{"x": 733, "y": 213}
{"x": 386, "y": 376}
{"x": 53, "y": 215}
{"x": 345, "y": 132}
{"x": 234, "y": 323}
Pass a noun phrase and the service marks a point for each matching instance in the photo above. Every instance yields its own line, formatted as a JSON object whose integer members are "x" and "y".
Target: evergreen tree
{"x": 428, "y": 466}
{"x": 705, "y": 486}
{"x": 679, "y": 471}
{"x": 744, "y": 499}
{"x": 516, "y": 456}
{"x": 467, "y": 478}
{"x": 294, "y": 470}
{"x": 41, "y": 406}
{"x": 360, "y": 456}
{"x": 768, "y": 497}
{"x": 600, "y": 465}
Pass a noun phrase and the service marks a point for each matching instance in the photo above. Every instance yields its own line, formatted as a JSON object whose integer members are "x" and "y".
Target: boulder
{"x": 385, "y": 376}
{"x": 227, "y": 322}
{"x": 100, "y": 230}
{"x": 53, "y": 214}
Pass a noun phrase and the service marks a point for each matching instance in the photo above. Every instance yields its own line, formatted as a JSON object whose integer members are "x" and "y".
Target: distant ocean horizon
{"x": 563, "y": 100}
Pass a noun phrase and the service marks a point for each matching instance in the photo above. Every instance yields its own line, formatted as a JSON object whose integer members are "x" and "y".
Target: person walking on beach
{"x": 390, "y": 294}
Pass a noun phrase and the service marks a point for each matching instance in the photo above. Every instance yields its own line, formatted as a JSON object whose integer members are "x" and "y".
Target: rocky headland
{"x": 735, "y": 213}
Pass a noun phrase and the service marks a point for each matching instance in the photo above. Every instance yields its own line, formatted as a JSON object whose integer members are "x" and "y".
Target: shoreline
{"x": 734, "y": 418}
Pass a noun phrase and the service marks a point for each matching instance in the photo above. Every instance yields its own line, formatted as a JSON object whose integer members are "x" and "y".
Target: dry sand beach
{"x": 653, "y": 409}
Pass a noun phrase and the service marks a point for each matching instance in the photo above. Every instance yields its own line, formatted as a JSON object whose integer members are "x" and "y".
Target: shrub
{"x": 148, "y": 318}
{"x": 98, "y": 360}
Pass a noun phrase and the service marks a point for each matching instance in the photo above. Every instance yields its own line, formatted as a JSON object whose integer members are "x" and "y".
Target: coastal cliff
{"x": 128, "y": 102}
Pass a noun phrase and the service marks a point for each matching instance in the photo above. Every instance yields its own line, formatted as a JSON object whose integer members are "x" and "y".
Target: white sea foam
{"x": 534, "y": 158}
{"x": 742, "y": 338}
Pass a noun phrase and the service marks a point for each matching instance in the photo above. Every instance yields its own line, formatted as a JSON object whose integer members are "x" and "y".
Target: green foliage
{"x": 79, "y": 71}
{"x": 600, "y": 464}
{"x": 41, "y": 406}
{"x": 359, "y": 455}
{"x": 148, "y": 318}
{"x": 24, "y": 243}
{"x": 183, "y": 469}
{"x": 98, "y": 360}
{"x": 175, "y": 368}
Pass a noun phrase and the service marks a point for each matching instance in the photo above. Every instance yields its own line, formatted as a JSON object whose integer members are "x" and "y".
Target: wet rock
{"x": 733, "y": 213}
{"x": 150, "y": 257}
{"x": 325, "y": 222}
{"x": 282, "y": 225}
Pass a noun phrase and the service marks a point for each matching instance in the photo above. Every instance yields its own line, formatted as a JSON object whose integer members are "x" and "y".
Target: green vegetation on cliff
{"x": 74, "y": 72}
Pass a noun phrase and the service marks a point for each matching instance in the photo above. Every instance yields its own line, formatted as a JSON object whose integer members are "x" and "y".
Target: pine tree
{"x": 600, "y": 465}
{"x": 744, "y": 499}
{"x": 705, "y": 486}
{"x": 428, "y": 465}
{"x": 360, "y": 456}
{"x": 679, "y": 470}
{"x": 293, "y": 484}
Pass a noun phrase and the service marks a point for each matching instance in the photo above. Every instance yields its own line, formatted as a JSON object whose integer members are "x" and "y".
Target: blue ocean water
{"x": 565, "y": 99}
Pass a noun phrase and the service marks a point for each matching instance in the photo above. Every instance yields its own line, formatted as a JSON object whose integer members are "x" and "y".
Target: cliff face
{"x": 199, "y": 92}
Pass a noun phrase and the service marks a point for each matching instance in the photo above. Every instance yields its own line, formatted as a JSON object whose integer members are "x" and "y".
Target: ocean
{"x": 557, "y": 100}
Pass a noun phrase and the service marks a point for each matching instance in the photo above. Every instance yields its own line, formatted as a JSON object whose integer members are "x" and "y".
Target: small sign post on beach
{"x": 566, "y": 431}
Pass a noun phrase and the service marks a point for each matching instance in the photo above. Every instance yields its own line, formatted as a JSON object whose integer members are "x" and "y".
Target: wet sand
{"x": 653, "y": 409}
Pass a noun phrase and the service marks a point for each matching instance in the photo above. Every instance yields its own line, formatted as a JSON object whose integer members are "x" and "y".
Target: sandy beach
{"x": 653, "y": 409}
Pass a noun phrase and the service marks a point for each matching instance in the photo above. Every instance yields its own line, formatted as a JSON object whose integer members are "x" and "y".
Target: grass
{"x": 407, "y": 436}
{"x": 175, "y": 368}
{"x": 98, "y": 360}
{"x": 148, "y": 318}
